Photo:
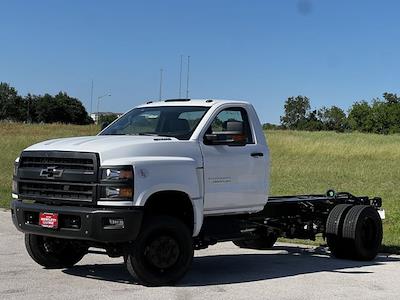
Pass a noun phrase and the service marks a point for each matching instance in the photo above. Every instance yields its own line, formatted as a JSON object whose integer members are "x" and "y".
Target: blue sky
{"x": 335, "y": 52}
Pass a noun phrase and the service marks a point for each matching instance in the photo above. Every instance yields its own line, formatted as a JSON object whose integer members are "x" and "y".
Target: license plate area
{"x": 48, "y": 220}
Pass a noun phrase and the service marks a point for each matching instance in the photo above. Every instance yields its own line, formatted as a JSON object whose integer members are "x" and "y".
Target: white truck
{"x": 165, "y": 179}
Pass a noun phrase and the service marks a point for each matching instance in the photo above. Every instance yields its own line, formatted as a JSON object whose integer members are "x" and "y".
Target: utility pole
{"x": 180, "y": 77}
{"x": 91, "y": 100}
{"x": 187, "y": 78}
{"x": 161, "y": 79}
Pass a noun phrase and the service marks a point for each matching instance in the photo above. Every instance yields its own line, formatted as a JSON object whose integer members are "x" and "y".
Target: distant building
{"x": 95, "y": 115}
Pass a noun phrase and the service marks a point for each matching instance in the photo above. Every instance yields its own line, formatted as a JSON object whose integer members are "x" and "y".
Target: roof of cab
{"x": 189, "y": 102}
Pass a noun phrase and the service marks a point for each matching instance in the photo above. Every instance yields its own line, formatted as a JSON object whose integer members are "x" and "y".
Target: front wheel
{"x": 162, "y": 253}
{"x": 52, "y": 252}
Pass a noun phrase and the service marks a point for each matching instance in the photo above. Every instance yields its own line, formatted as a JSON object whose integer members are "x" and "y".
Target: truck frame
{"x": 153, "y": 197}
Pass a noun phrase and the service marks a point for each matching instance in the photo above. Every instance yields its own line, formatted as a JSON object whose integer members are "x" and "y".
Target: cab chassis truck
{"x": 168, "y": 178}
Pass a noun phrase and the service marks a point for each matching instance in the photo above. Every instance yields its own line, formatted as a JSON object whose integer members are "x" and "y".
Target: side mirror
{"x": 234, "y": 127}
{"x": 233, "y": 130}
{"x": 104, "y": 125}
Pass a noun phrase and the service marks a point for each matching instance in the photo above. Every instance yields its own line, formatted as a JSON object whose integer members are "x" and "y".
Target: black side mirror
{"x": 104, "y": 125}
{"x": 234, "y": 127}
{"x": 226, "y": 137}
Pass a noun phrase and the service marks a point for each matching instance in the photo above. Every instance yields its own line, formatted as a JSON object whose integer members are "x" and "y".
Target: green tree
{"x": 11, "y": 104}
{"x": 333, "y": 118}
{"x": 311, "y": 122}
{"x": 360, "y": 117}
{"x": 380, "y": 117}
{"x": 71, "y": 110}
{"x": 296, "y": 110}
{"x": 60, "y": 108}
{"x": 391, "y": 98}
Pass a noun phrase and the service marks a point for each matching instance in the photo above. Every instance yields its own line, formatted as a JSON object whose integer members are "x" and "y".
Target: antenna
{"x": 180, "y": 77}
{"x": 161, "y": 79}
{"x": 91, "y": 99}
{"x": 187, "y": 77}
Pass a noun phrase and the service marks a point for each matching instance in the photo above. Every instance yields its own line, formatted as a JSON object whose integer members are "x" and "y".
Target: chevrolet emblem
{"x": 51, "y": 172}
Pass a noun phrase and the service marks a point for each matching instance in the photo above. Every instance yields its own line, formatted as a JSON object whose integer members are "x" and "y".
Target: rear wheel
{"x": 362, "y": 229}
{"x": 52, "y": 252}
{"x": 260, "y": 242}
{"x": 162, "y": 253}
{"x": 334, "y": 224}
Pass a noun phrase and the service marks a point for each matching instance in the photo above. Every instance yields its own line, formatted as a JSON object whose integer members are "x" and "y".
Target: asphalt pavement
{"x": 223, "y": 271}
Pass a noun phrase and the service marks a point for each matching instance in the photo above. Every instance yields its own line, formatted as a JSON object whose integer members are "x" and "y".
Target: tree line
{"x": 379, "y": 116}
{"x": 46, "y": 108}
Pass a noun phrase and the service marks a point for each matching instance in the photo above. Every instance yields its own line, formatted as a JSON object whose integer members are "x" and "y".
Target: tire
{"x": 261, "y": 242}
{"x": 162, "y": 253}
{"x": 337, "y": 245}
{"x": 335, "y": 219}
{"x": 362, "y": 229}
{"x": 54, "y": 253}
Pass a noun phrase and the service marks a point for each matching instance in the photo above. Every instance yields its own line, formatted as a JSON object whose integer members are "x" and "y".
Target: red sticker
{"x": 48, "y": 220}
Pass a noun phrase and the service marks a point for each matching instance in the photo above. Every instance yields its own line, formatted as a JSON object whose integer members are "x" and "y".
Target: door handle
{"x": 255, "y": 154}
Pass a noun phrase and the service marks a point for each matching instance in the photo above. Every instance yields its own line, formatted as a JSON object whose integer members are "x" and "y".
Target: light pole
{"x": 98, "y": 105}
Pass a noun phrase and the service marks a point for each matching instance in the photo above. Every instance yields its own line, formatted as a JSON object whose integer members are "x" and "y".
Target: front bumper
{"x": 81, "y": 223}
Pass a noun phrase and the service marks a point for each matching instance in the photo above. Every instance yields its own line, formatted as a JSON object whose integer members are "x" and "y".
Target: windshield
{"x": 173, "y": 121}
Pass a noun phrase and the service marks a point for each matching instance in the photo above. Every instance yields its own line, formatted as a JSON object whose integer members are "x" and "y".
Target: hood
{"x": 111, "y": 147}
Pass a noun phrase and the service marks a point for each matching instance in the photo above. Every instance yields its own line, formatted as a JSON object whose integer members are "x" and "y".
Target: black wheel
{"x": 260, "y": 242}
{"x": 162, "y": 253}
{"x": 52, "y": 252}
{"x": 337, "y": 245}
{"x": 362, "y": 229}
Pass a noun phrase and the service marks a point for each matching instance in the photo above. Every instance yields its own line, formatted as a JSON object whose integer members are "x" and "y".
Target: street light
{"x": 98, "y": 105}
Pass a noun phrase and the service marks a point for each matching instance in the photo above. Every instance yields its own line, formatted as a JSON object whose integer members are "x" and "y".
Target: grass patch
{"x": 362, "y": 164}
{"x": 16, "y": 137}
{"x": 301, "y": 163}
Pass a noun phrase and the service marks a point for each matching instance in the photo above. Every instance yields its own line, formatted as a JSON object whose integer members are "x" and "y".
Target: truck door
{"x": 235, "y": 168}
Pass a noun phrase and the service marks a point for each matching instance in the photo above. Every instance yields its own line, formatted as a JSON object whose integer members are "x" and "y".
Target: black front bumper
{"x": 81, "y": 223}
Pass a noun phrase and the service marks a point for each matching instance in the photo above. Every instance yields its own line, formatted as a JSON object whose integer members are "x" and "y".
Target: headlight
{"x": 118, "y": 192}
{"x": 124, "y": 173}
{"x": 117, "y": 183}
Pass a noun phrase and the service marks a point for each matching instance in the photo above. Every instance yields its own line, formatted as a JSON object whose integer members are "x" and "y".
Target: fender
{"x": 158, "y": 174}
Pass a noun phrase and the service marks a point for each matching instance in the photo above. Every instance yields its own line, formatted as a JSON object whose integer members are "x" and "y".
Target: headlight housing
{"x": 117, "y": 173}
{"x": 116, "y": 183}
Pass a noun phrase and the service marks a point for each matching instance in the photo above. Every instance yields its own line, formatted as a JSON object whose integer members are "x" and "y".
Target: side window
{"x": 228, "y": 120}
